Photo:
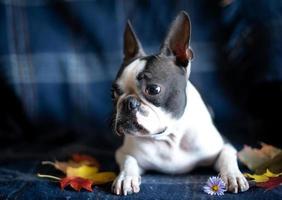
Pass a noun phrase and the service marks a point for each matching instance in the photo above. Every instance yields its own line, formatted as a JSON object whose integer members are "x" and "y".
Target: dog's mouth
{"x": 160, "y": 132}
{"x": 135, "y": 129}
{"x": 130, "y": 128}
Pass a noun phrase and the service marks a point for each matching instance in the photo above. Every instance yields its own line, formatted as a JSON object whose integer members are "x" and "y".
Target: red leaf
{"x": 76, "y": 183}
{"x": 82, "y": 158}
{"x": 271, "y": 183}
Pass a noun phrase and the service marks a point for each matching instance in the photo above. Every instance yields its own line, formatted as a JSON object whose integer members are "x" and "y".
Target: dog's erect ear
{"x": 177, "y": 40}
{"x": 132, "y": 47}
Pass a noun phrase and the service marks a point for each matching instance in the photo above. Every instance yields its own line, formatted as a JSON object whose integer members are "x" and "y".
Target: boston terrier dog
{"x": 165, "y": 123}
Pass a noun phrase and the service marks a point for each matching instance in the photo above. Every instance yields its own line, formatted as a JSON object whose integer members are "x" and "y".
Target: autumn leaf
{"x": 259, "y": 160}
{"x": 268, "y": 180}
{"x": 269, "y": 174}
{"x": 102, "y": 177}
{"x": 76, "y": 183}
{"x": 271, "y": 183}
{"x": 82, "y": 171}
{"x": 62, "y": 166}
{"x": 259, "y": 178}
{"x": 77, "y": 161}
{"x": 91, "y": 174}
{"x": 85, "y": 159}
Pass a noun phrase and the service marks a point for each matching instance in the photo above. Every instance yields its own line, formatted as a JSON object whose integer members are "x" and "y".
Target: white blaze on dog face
{"x": 128, "y": 79}
{"x": 152, "y": 118}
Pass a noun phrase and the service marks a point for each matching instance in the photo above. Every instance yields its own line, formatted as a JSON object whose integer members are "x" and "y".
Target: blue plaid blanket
{"x": 58, "y": 58}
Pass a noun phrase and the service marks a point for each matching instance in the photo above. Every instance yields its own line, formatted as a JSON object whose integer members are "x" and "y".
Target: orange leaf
{"x": 77, "y": 161}
{"x": 76, "y": 183}
{"x": 86, "y": 159}
{"x": 81, "y": 172}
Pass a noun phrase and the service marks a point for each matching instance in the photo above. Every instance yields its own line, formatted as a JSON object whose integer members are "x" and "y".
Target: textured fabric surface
{"x": 21, "y": 183}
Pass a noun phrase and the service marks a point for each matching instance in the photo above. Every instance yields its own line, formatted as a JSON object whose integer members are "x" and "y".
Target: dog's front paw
{"x": 126, "y": 184}
{"x": 235, "y": 182}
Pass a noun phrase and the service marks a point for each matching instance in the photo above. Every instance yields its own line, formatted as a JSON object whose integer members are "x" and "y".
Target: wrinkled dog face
{"x": 149, "y": 92}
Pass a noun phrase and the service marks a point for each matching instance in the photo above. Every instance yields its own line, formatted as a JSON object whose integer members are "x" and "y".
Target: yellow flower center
{"x": 215, "y": 188}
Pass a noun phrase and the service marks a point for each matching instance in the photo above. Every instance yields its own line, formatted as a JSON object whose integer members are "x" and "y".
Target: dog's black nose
{"x": 133, "y": 103}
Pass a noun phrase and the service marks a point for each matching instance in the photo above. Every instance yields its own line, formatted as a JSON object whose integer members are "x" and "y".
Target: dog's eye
{"x": 153, "y": 89}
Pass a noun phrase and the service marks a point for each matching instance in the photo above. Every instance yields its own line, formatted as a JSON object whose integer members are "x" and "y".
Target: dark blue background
{"x": 58, "y": 58}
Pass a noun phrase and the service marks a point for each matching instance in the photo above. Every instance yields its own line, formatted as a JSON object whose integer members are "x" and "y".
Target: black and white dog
{"x": 165, "y": 123}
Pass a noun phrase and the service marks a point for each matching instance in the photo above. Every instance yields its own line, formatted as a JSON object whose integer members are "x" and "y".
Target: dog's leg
{"x": 129, "y": 179}
{"x": 229, "y": 171}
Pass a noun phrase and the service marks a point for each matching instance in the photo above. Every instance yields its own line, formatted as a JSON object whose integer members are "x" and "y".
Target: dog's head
{"x": 149, "y": 92}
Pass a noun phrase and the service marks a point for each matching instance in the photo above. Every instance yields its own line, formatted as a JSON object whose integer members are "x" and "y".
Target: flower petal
{"x": 214, "y": 182}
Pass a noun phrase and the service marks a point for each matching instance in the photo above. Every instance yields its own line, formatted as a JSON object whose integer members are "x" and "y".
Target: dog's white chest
{"x": 168, "y": 154}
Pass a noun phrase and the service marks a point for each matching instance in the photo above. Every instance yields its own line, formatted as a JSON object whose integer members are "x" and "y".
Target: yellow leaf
{"x": 257, "y": 178}
{"x": 82, "y": 171}
{"x": 269, "y": 174}
{"x": 62, "y": 166}
{"x": 102, "y": 177}
{"x": 263, "y": 177}
{"x": 84, "y": 167}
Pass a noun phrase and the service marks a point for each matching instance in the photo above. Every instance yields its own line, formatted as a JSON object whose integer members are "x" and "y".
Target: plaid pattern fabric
{"x": 54, "y": 61}
{"x": 57, "y": 61}
{"x": 59, "y": 56}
